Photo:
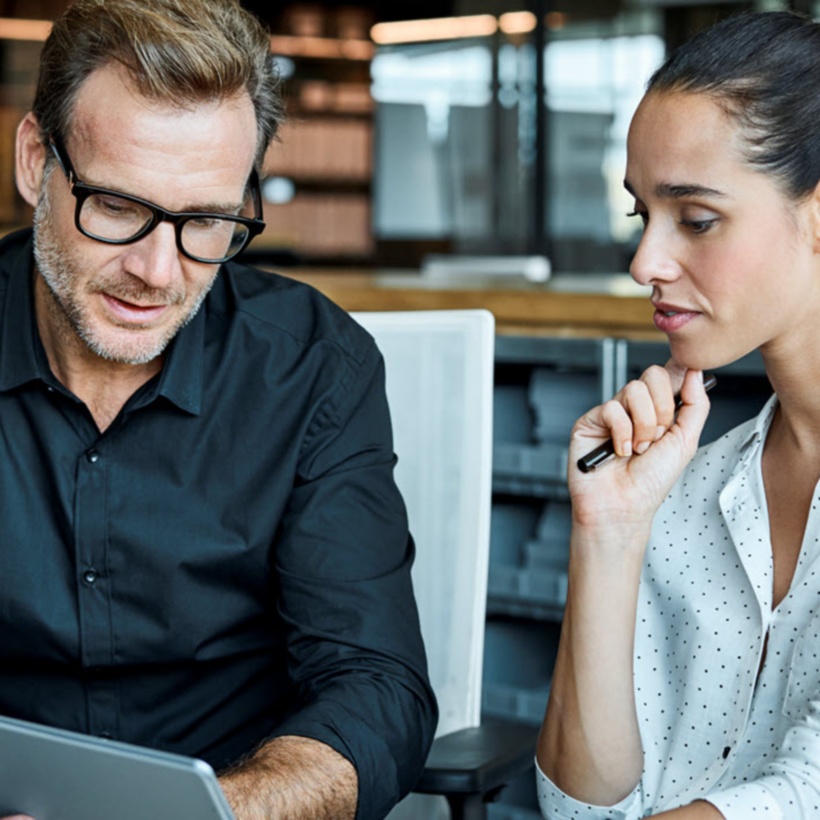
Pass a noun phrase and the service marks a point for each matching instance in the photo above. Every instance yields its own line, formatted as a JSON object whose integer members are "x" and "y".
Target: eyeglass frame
{"x": 82, "y": 191}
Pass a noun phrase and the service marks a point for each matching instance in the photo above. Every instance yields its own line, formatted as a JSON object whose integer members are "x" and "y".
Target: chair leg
{"x": 467, "y": 807}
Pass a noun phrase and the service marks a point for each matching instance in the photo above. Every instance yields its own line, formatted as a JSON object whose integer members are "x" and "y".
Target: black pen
{"x": 587, "y": 463}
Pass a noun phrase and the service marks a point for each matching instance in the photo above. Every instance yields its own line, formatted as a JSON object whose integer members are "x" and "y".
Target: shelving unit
{"x": 324, "y": 151}
{"x": 323, "y": 154}
{"x": 18, "y": 60}
{"x": 542, "y": 385}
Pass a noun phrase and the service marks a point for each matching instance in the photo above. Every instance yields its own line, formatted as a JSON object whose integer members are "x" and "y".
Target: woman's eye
{"x": 698, "y": 226}
{"x": 644, "y": 215}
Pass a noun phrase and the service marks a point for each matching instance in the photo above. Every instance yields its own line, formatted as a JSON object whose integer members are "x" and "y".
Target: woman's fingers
{"x": 642, "y": 412}
{"x": 616, "y": 418}
{"x": 649, "y": 403}
{"x": 694, "y": 403}
{"x": 662, "y": 386}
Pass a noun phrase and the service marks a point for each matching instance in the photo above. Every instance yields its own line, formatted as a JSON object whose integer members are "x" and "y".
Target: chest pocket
{"x": 804, "y": 675}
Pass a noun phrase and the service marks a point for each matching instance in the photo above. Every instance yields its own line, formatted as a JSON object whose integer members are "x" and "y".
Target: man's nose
{"x": 155, "y": 259}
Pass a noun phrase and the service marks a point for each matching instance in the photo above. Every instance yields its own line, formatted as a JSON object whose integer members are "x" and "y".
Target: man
{"x": 208, "y": 552}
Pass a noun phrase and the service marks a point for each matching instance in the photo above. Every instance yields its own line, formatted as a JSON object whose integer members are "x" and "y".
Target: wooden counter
{"x": 566, "y": 305}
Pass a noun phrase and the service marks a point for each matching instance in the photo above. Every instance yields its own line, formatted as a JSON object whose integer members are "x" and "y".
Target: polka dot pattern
{"x": 718, "y": 718}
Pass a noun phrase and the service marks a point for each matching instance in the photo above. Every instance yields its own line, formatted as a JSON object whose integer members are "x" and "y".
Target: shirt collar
{"x": 756, "y": 434}
{"x": 23, "y": 359}
{"x": 182, "y": 374}
{"x": 750, "y": 445}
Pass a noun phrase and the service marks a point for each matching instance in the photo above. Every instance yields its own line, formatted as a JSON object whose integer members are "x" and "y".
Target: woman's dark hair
{"x": 764, "y": 70}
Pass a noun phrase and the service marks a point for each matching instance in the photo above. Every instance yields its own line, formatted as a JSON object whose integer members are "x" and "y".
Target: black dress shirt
{"x": 229, "y": 561}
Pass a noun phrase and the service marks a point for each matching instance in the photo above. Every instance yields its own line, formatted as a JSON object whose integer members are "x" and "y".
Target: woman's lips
{"x": 670, "y": 319}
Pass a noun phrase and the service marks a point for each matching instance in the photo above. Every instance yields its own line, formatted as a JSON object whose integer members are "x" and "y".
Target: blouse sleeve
{"x": 556, "y": 805}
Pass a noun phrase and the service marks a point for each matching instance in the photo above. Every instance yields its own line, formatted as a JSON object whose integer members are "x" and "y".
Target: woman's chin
{"x": 702, "y": 359}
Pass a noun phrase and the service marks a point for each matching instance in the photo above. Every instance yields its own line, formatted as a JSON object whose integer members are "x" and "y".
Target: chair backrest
{"x": 439, "y": 367}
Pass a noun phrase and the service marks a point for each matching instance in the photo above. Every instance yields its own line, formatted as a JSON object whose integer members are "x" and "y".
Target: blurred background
{"x": 496, "y": 127}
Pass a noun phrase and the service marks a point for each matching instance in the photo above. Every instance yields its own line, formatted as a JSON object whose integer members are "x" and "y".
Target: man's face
{"x": 125, "y": 303}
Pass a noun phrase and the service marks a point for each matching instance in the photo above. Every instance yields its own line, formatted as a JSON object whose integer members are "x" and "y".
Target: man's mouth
{"x": 133, "y": 312}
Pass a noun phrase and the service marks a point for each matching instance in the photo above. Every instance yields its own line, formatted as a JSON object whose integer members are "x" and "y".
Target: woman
{"x": 687, "y": 683}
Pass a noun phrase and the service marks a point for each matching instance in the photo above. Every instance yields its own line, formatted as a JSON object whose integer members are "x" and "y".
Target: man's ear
{"x": 29, "y": 160}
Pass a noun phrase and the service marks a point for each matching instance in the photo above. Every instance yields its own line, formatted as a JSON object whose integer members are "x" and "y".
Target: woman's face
{"x": 730, "y": 258}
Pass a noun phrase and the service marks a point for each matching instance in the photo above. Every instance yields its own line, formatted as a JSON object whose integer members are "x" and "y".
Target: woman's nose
{"x": 655, "y": 260}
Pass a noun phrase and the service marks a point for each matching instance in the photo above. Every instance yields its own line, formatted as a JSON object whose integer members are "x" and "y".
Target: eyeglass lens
{"x": 107, "y": 216}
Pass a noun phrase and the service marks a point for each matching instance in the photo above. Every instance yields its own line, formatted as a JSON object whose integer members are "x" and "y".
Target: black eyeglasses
{"x": 119, "y": 219}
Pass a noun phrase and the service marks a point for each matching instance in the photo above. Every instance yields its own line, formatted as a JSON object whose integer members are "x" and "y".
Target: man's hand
{"x": 293, "y": 778}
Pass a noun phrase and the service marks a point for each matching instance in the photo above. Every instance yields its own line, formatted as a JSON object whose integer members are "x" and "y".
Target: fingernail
{"x": 659, "y": 431}
{"x": 626, "y": 448}
{"x": 642, "y": 447}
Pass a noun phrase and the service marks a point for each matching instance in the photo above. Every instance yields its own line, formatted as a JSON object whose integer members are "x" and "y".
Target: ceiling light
{"x": 440, "y": 28}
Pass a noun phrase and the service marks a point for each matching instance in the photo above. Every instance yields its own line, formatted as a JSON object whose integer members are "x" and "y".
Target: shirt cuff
{"x": 555, "y": 805}
{"x": 744, "y": 801}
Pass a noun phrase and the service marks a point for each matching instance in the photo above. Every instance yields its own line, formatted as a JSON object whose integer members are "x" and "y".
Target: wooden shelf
{"x": 551, "y": 309}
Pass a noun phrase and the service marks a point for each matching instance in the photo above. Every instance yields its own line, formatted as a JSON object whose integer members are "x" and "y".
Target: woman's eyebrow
{"x": 668, "y": 190}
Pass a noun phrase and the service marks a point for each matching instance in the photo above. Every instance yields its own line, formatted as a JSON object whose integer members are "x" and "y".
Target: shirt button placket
{"x": 94, "y": 591}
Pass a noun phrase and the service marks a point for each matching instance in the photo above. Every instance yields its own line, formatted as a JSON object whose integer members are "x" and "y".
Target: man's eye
{"x": 644, "y": 215}
{"x": 206, "y": 223}
{"x": 113, "y": 206}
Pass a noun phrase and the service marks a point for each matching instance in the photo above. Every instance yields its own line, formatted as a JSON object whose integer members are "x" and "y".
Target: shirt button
{"x": 726, "y": 752}
{"x": 90, "y": 576}
{"x": 93, "y": 456}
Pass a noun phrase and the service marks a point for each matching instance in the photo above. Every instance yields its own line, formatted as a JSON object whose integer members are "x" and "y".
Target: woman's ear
{"x": 30, "y": 159}
{"x": 814, "y": 205}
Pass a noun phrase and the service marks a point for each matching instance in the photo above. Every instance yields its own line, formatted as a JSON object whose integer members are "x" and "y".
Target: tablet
{"x": 54, "y": 774}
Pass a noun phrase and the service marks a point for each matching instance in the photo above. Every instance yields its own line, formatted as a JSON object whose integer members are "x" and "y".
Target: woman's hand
{"x": 652, "y": 447}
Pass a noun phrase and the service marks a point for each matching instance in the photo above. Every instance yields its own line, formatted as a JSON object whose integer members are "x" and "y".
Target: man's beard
{"x": 60, "y": 268}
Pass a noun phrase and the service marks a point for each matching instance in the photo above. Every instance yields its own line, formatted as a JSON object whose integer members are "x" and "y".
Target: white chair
{"x": 439, "y": 371}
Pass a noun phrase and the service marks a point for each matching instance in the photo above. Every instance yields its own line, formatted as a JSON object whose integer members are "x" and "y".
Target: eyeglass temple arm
{"x": 256, "y": 189}
{"x": 56, "y": 146}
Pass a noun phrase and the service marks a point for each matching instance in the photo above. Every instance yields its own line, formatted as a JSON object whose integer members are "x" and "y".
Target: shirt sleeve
{"x": 343, "y": 559}
{"x": 556, "y": 805}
